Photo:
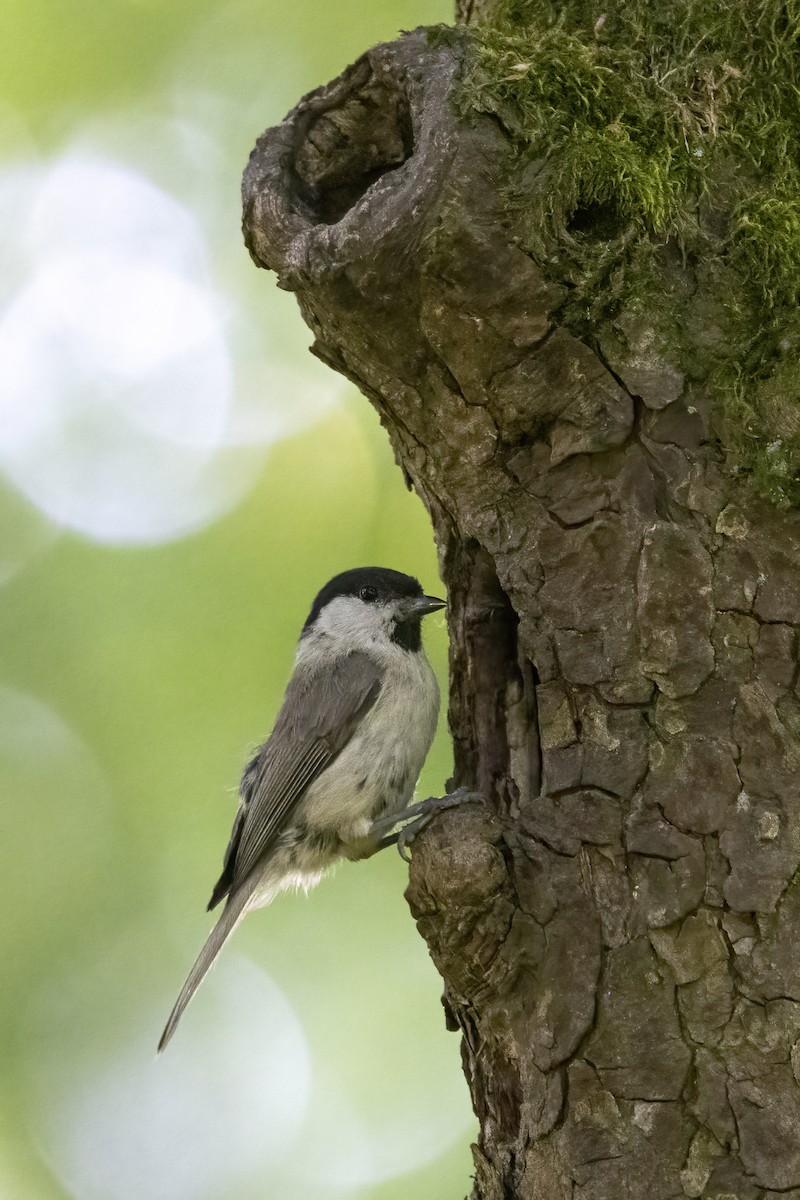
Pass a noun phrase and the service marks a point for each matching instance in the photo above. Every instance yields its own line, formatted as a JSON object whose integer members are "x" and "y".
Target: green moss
{"x": 643, "y": 125}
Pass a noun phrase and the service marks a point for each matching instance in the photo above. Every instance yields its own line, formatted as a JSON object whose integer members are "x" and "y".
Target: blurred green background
{"x": 177, "y": 478}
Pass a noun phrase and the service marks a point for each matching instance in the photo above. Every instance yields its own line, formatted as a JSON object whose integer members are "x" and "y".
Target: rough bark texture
{"x": 616, "y": 927}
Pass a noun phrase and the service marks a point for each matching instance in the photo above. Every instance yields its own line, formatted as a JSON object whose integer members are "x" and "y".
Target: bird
{"x": 338, "y": 772}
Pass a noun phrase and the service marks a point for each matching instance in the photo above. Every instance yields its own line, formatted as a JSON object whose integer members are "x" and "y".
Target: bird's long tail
{"x": 231, "y": 915}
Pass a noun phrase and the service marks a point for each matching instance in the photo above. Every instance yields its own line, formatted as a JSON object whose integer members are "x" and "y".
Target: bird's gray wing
{"x": 321, "y": 710}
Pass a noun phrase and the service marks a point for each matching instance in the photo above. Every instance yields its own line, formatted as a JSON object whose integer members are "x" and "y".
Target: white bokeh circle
{"x": 228, "y": 1098}
{"x": 115, "y": 379}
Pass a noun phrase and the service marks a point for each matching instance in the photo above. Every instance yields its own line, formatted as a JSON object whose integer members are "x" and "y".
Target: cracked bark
{"x": 616, "y": 927}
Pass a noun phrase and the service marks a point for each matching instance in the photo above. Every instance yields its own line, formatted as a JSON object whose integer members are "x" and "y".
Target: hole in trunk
{"x": 599, "y": 222}
{"x": 346, "y": 148}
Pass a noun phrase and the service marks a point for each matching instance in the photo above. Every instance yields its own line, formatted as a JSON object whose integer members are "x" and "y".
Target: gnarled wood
{"x": 616, "y": 930}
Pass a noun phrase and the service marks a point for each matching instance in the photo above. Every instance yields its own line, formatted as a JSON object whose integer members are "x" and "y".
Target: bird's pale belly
{"x": 376, "y": 773}
{"x": 374, "y": 776}
{"x": 365, "y": 782}
{"x": 334, "y": 819}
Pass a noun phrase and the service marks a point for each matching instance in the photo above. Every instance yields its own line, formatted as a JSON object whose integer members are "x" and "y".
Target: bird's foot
{"x": 418, "y": 816}
{"x": 431, "y": 808}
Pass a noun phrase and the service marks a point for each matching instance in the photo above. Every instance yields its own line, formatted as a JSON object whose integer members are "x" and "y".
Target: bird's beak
{"x": 422, "y": 605}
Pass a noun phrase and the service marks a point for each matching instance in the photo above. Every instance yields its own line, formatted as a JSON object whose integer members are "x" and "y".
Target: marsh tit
{"x": 339, "y": 769}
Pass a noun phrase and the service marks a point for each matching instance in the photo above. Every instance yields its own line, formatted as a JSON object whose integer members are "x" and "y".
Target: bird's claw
{"x": 429, "y": 809}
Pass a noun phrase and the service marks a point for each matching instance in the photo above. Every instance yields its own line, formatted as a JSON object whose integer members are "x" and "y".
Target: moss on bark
{"x": 655, "y": 126}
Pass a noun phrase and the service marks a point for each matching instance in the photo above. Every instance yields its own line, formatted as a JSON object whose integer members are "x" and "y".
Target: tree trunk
{"x": 615, "y": 927}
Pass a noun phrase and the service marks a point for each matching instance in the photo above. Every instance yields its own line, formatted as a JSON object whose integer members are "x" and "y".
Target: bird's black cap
{"x": 376, "y": 583}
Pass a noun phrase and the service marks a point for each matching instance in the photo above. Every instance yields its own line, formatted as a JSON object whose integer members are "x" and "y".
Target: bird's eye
{"x": 368, "y": 594}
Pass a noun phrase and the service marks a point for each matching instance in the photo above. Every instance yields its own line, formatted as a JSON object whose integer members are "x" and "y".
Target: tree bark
{"x": 616, "y": 926}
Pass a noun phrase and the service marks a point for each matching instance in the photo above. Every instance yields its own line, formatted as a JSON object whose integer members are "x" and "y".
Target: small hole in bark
{"x": 344, "y": 150}
{"x": 602, "y": 222}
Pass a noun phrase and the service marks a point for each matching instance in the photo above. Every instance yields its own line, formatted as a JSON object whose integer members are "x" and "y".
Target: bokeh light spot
{"x": 117, "y": 381}
{"x": 228, "y": 1097}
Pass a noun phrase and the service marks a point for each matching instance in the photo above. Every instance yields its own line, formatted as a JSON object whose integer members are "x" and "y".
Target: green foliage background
{"x": 134, "y": 680}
